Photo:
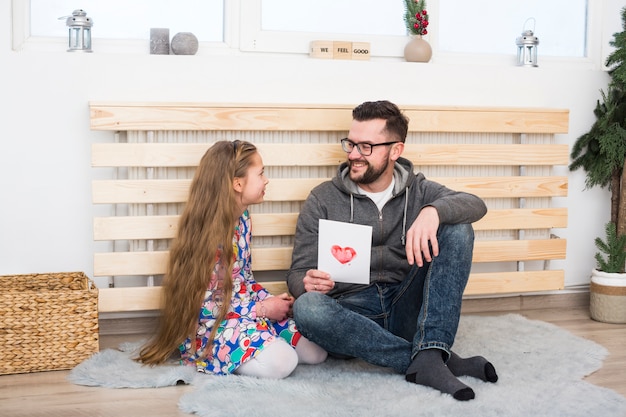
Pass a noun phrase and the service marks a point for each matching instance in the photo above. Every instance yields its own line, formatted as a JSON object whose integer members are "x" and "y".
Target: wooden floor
{"x": 49, "y": 394}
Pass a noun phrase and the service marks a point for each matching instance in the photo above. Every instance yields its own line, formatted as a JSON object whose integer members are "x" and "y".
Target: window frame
{"x": 243, "y": 34}
{"x": 23, "y": 41}
{"x": 255, "y": 39}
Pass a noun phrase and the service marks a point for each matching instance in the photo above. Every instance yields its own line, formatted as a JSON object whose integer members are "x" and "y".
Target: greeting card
{"x": 344, "y": 251}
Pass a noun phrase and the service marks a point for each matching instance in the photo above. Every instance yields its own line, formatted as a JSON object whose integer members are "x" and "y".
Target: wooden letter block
{"x": 321, "y": 49}
{"x": 340, "y": 50}
{"x": 361, "y": 51}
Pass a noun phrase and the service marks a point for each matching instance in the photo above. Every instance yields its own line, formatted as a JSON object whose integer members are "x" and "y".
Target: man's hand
{"x": 317, "y": 281}
{"x": 422, "y": 231}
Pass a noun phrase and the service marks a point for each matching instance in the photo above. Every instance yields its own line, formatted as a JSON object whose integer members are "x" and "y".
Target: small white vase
{"x": 417, "y": 50}
{"x": 607, "y": 297}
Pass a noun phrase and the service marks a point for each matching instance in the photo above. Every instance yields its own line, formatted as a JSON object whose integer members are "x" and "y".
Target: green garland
{"x": 416, "y": 17}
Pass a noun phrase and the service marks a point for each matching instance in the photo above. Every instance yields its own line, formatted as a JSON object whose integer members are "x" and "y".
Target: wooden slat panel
{"x": 329, "y": 118}
{"x": 279, "y": 258}
{"x": 284, "y": 224}
{"x": 199, "y": 116}
{"x": 303, "y": 154}
{"x": 149, "y": 298}
{"x": 297, "y": 189}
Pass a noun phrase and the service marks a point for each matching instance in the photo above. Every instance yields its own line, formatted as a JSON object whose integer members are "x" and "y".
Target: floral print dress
{"x": 243, "y": 333}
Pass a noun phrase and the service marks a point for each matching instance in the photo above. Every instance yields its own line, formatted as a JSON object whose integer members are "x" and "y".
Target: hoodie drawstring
{"x": 351, "y": 208}
{"x": 406, "y": 205}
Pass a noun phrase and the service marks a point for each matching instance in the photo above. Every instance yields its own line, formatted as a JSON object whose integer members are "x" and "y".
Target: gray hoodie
{"x": 340, "y": 200}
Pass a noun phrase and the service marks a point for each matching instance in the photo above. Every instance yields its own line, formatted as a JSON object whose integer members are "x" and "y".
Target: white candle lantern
{"x": 79, "y": 31}
{"x": 527, "y": 47}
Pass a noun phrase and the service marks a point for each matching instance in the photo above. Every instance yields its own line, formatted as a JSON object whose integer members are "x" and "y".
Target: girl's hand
{"x": 275, "y": 308}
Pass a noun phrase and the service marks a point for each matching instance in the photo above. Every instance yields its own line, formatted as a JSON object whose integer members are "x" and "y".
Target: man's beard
{"x": 371, "y": 174}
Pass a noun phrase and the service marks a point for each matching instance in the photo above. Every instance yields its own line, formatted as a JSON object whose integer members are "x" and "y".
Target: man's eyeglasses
{"x": 364, "y": 149}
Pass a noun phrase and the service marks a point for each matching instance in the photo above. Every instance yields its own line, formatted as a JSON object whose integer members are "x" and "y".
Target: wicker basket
{"x": 47, "y": 321}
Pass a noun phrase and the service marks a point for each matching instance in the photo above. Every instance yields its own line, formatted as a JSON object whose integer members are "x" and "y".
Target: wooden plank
{"x": 487, "y": 283}
{"x": 297, "y": 189}
{"x": 508, "y": 186}
{"x": 147, "y": 154}
{"x": 189, "y": 154}
{"x": 292, "y": 117}
{"x": 271, "y": 259}
{"x": 307, "y": 154}
{"x": 140, "y": 191}
{"x": 185, "y": 117}
{"x": 284, "y": 224}
{"x": 273, "y": 224}
{"x": 135, "y": 227}
{"x": 129, "y": 263}
{"x": 487, "y": 155}
{"x": 519, "y": 250}
{"x": 276, "y": 287}
{"x": 516, "y": 219}
{"x": 279, "y": 258}
{"x": 515, "y": 282}
{"x": 488, "y": 120}
{"x": 129, "y": 299}
{"x": 149, "y": 298}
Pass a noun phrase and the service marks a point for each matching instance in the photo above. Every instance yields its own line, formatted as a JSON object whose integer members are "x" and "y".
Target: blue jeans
{"x": 387, "y": 324}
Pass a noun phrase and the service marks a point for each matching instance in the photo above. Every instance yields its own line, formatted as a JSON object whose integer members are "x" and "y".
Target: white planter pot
{"x": 607, "y": 299}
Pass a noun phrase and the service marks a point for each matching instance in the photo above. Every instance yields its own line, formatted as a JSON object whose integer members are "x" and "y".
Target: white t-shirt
{"x": 381, "y": 197}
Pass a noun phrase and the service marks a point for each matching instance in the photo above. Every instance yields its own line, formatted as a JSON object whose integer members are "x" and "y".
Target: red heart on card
{"x": 343, "y": 255}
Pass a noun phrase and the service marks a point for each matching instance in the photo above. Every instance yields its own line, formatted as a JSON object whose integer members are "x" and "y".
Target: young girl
{"x": 214, "y": 312}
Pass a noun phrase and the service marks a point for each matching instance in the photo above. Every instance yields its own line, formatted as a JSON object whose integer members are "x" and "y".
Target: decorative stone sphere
{"x": 184, "y": 43}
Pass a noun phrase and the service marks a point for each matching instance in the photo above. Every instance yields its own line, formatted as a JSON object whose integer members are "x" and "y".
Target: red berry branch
{"x": 416, "y": 17}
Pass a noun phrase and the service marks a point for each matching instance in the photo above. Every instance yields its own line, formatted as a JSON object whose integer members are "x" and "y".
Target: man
{"x": 422, "y": 243}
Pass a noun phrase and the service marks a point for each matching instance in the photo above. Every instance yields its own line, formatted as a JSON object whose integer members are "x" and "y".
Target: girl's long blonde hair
{"x": 205, "y": 228}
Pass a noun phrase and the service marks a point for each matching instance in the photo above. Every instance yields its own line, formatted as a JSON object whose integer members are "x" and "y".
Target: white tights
{"x": 279, "y": 359}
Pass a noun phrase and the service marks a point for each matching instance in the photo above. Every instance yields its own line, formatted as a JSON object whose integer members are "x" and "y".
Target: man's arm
{"x": 453, "y": 207}
{"x": 304, "y": 255}
{"x": 440, "y": 205}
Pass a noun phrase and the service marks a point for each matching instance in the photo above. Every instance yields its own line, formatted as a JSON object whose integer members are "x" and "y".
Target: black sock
{"x": 428, "y": 369}
{"x": 476, "y": 366}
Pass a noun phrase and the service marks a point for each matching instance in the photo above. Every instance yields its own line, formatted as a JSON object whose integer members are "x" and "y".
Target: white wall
{"x": 45, "y": 173}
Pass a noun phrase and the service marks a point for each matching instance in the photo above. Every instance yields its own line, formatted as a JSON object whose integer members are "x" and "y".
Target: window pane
{"x": 491, "y": 26}
{"x": 132, "y": 19}
{"x": 375, "y": 17}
